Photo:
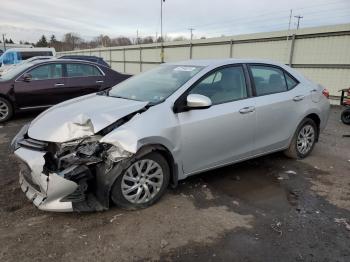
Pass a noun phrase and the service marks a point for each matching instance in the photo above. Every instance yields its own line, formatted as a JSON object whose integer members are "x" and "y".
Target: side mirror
{"x": 196, "y": 101}
{"x": 27, "y": 77}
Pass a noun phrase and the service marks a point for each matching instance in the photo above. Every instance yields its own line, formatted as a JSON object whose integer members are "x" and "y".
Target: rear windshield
{"x": 15, "y": 71}
{"x": 30, "y": 54}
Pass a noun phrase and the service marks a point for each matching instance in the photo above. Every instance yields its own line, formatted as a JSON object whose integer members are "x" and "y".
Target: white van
{"x": 16, "y": 55}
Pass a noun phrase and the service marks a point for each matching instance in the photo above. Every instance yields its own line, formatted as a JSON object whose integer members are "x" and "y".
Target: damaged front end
{"x": 70, "y": 176}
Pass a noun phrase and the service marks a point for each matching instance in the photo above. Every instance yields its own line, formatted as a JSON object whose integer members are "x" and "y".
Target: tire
{"x": 130, "y": 179}
{"x": 302, "y": 147}
{"x": 345, "y": 116}
{"x": 6, "y": 110}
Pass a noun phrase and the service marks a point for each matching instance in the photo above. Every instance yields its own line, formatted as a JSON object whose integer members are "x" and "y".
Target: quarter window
{"x": 291, "y": 82}
{"x": 268, "y": 80}
{"x": 224, "y": 85}
{"x": 82, "y": 70}
{"x": 51, "y": 71}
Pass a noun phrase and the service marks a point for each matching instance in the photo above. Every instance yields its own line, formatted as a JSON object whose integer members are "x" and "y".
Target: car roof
{"x": 30, "y": 49}
{"x": 47, "y": 61}
{"x": 83, "y": 56}
{"x": 218, "y": 62}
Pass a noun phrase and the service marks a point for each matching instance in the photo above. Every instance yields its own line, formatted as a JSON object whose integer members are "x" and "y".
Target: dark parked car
{"x": 41, "y": 84}
{"x": 94, "y": 59}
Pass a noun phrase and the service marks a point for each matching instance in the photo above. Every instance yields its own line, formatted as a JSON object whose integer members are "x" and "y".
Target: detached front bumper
{"x": 45, "y": 191}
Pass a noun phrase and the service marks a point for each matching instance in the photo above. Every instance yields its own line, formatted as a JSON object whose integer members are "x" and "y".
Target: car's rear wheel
{"x": 345, "y": 116}
{"x": 6, "y": 110}
{"x": 142, "y": 183}
{"x": 303, "y": 141}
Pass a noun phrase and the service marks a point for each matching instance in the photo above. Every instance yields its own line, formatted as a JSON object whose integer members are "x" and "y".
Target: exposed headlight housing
{"x": 116, "y": 154}
{"x": 20, "y": 136}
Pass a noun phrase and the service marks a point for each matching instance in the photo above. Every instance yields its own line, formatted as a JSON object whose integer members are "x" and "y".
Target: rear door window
{"x": 82, "y": 70}
{"x": 50, "y": 71}
{"x": 268, "y": 80}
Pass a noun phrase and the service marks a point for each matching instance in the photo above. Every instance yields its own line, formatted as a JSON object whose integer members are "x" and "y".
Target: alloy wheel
{"x": 142, "y": 181}
{"x": 4, "y": 110}
{"x": 306, "y": 139}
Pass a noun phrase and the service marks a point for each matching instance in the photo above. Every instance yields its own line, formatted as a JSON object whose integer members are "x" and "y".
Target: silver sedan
{"x": 127, "y": 144}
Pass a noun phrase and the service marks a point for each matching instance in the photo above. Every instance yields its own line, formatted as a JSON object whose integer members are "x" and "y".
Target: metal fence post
{"x": 162, "y": 53}
{"x": 110, "y": 57}
{"x": 124, "y": 66}
{"x": 190, "y": 50}
{"x": 140, "y": 59}
{"x": 291, "y": 50}
{"x": 231, "y": 48}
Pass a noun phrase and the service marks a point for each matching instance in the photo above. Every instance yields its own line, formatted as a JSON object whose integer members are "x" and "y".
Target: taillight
{"x": 325, "y": 92}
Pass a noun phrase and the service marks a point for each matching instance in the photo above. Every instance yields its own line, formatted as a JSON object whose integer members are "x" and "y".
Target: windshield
{"x": 155, "y": 85}
{"x": 7, "y": 75}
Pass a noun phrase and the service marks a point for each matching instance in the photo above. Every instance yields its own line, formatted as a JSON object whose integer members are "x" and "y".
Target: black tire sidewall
{"x": 344, "y": 114}
{"x": 9, "y": 105}
{"x": 305, "y": 122}
{"x": 117, "y": 195}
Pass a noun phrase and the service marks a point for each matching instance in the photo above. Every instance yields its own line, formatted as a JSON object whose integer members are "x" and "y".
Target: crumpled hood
{"x": 79, "y": 117}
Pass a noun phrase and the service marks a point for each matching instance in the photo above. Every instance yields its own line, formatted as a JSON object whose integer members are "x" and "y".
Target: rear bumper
{"x": 45, "y": 191}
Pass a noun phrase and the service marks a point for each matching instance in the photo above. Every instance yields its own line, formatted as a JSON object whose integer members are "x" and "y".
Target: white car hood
{"x": 83, "y": 116}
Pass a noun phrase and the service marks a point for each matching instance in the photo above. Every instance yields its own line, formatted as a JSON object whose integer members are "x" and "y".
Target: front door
{"x": 223, "y": 133}
{"x": 42, "y": 89}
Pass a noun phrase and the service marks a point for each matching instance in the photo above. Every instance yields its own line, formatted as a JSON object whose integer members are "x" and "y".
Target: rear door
{"x": 280, "y": 101}
{"x": 82, "y": 79}
{"x": 44, "y": 87}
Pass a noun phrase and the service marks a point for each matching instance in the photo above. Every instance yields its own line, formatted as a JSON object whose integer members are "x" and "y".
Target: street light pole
{"x": 161, "y": 31}
{"x": 161, "y": 20}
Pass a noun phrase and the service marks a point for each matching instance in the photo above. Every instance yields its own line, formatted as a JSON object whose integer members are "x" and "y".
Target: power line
{"x": 244, "y": 18}
{"x": 271, "y": 22}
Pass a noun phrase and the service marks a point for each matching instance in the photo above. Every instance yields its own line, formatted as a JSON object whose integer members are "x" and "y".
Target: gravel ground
{"x": 267, "y": 209}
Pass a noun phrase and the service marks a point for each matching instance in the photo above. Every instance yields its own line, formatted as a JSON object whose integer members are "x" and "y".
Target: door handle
{"x": 298, "y": 98}
{"x": 247, "y": 109}
{"x": 99, "y": 81}
{"x": 59, "y": 84}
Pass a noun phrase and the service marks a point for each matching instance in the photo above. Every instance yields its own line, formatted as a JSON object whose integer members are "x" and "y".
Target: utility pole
{"x": 3, "y": 40}
{"x": 137, "y": 37}
{"x": 298, "y": 17}
{"x": 191, "y": 31}
{"x": 290, "y": 20}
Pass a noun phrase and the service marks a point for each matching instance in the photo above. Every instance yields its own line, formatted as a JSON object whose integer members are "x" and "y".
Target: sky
{"x": 27, "y": 20}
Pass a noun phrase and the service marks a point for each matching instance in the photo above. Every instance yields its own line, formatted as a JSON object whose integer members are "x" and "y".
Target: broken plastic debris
{"x": 342, "y": 221}
{"x": 115, "y": 217}
{"x": 291, "y": 172}
{"x": 163, "y": 243}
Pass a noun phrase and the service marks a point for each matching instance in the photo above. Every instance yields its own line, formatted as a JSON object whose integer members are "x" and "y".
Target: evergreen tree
{"x": 42, "y": 42}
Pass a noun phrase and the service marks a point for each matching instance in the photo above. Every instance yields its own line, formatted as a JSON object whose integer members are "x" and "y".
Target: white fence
{"x": 320, "y": 53}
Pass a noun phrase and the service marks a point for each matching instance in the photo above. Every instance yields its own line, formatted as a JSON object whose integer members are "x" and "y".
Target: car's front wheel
{"x": 303, "y": 141}
{"x": 6, "y": 110}
{"x": 142, "y": 183}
